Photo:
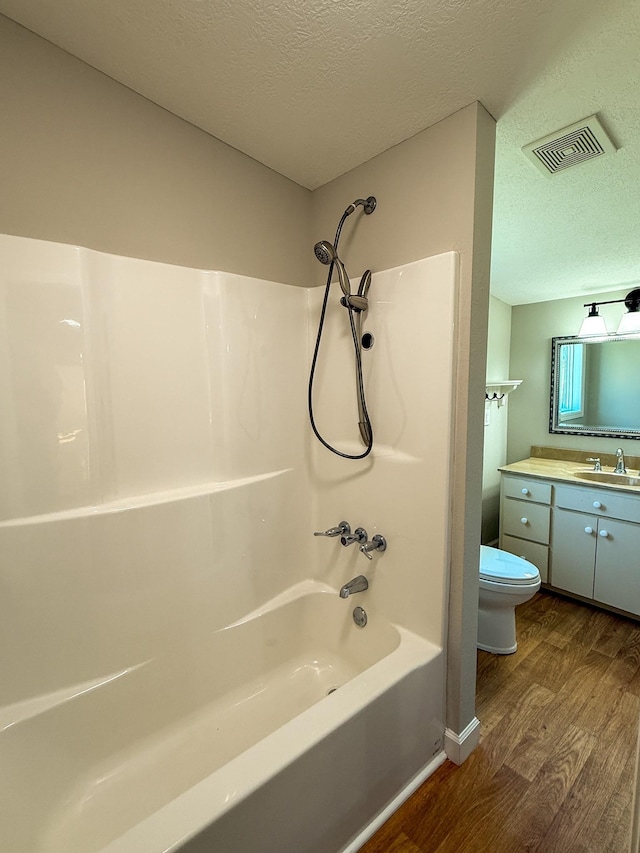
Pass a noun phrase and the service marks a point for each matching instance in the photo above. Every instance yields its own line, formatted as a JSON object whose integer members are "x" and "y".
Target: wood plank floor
{"x": 554, "y": 769}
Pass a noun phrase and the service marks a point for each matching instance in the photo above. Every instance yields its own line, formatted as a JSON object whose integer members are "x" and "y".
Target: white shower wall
{"x": 401, "y": 490}
{"x": 160, "y": 476}
{"x": 152, "y": 448}
{"x": 123, "y": 377}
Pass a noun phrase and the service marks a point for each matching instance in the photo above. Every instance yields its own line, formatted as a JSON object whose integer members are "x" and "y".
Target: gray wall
{"x": 495, "y": 432}
{"x": 532, "y": 328}
{"x": 84, "y": 160}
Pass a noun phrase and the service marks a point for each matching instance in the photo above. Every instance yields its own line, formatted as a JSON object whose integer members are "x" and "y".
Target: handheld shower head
{"x": 326, "y": 254}
{"x": 365, "y": 284}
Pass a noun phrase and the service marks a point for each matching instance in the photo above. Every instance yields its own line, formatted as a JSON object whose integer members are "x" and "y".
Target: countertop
{"x": 565, "y": 471}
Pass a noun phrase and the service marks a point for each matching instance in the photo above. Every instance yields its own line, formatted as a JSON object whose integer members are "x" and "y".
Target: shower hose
{"x": 367, "y": 428}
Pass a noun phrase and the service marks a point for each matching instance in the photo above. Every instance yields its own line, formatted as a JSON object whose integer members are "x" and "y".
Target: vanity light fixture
{"x": 594, "y": 325}
{"x": 630, "y": 322}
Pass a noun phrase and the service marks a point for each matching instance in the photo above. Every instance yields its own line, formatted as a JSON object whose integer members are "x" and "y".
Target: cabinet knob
{"x": 524, "y": 520}
{"x": 604, "y": 534}
{"x": 588, "y": 530}
{"x": 525, "y": 491}
{"x": 597, "y": 505}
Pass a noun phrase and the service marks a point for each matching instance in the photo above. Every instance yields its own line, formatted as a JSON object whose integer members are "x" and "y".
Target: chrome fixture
{"x": 356, "y": 304}
{"x": 378, "y": 543}
{"x": 594, "y": 324}
{"x": 358, "y": 584}
{"x": 596, "y": 462}
{"x": 342, "y": 529}
{"x": 620, "y": 466}
{"x": 360, "y": 616}
{"x": 369, "y": 204}
{"x": 358, "y": 535}
{"x": 327, "y": 254}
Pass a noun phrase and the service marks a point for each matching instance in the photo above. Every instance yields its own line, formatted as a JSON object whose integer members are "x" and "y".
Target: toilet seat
{"x": 501, "y": 567}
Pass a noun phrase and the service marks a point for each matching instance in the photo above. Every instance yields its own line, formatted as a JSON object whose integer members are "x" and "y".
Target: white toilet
{"x": 505, "y": 581}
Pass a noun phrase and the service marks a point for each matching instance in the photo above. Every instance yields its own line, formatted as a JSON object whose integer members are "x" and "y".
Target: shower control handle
{"x": 358, "y": 535}
{"x": 343, "y": 529}
{"x": 378, "y": 543}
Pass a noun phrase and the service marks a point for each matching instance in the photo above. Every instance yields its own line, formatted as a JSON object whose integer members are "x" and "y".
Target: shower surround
{"x": 172, "y": 632}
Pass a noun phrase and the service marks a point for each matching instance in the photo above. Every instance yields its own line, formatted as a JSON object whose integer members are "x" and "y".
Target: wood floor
{"x": 555, "y": 766}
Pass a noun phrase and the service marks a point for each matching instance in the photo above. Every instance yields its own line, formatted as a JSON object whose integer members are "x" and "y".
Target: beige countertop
{"x": 566, "y": 470}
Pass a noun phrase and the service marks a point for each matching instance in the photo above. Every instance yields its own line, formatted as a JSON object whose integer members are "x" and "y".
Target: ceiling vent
{"x": 584, "y": 140}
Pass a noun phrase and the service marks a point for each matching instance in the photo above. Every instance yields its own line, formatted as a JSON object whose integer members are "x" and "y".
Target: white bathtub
{"x": 244, "y": 746}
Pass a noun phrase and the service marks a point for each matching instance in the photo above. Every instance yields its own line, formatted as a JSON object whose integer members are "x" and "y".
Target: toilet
{"x": 505, "y": 581}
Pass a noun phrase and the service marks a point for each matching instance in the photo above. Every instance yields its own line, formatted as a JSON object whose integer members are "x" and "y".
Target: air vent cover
{"x": 569, "y": 146}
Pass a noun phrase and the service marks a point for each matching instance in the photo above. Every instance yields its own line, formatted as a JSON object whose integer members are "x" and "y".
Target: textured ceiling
{"x": 312, "y": 89}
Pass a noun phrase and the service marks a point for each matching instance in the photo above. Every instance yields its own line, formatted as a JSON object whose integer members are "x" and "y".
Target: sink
{"x": 608, "y": 477}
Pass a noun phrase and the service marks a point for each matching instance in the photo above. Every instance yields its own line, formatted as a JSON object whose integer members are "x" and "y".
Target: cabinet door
{"x": 573, "y": 552}
{"x": 617, "y": 580}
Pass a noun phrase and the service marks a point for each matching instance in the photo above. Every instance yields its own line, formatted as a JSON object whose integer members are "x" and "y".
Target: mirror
{"x": 595, "y": 386}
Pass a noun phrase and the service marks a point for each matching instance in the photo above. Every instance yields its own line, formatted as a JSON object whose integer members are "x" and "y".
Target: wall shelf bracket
{"x": 497, "y": 391}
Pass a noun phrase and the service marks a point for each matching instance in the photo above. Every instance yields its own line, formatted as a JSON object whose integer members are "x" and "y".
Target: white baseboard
{"x": 460, "y": 746}
{"x": 395, "y": 804}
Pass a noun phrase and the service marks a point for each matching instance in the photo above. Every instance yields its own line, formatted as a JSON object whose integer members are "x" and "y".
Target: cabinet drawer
{"x": 536, "y": 491}
{"x": 598, "y": 502}
{"x": 526, "y": 520}
{"x": 534, "y": 552}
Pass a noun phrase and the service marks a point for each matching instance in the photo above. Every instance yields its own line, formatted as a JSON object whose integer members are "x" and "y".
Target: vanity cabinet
{"x": 584, "y": 540}
{"x": 596, "y": 554}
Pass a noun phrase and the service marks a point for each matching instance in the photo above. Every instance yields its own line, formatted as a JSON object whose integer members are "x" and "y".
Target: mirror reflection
{"x": 595, "y": 386}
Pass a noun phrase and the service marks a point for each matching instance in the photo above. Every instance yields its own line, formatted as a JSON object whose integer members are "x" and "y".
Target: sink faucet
{"x": 596, "y": 462}
{"x": 620, "y": 466}
{"x": 358, "y": 584}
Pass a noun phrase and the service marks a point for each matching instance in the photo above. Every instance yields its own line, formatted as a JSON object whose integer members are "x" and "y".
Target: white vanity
{"x": 584, "y": 537}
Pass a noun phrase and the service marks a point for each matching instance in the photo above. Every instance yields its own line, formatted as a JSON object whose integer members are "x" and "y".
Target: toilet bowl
{"x": 505, "y": 582}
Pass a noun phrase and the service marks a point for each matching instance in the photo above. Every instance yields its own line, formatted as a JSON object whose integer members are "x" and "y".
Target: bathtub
{"x": 290, "y": 729}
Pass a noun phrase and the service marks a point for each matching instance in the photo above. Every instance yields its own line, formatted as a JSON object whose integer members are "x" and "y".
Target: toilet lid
{"x": 503, "y": 567}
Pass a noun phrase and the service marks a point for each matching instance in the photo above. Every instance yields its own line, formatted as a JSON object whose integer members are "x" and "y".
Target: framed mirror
{"x": 595, "y": 386}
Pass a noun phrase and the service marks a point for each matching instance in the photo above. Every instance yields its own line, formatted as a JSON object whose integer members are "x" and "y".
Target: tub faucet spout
{"x": 358, "y": 584}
